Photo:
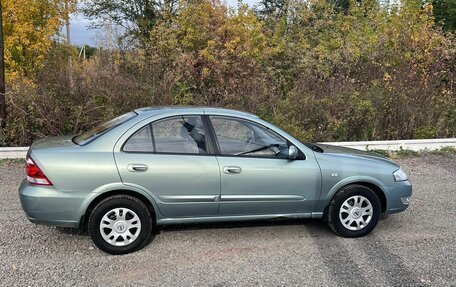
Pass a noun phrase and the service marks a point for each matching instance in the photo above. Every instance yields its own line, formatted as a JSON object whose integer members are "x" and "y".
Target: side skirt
{"x": 206, "y": 219}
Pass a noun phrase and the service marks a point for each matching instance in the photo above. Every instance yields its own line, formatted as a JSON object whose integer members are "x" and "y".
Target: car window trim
{"x": 213, "y": 136}
{"x": 218, "y": 152}
{"x": 151, "y": 136}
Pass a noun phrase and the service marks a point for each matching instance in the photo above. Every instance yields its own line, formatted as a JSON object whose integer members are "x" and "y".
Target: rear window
{"x": 97, "y": 131}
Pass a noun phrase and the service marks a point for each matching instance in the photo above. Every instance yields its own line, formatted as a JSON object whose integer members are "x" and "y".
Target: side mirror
{"x": 292, "y": 152}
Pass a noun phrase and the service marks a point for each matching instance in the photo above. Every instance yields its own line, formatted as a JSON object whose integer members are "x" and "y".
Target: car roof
{"x": 202, "y": 109}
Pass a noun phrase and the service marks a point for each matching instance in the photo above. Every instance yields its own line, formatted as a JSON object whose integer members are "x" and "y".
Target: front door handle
{"x": 137, "y": 167}
{"x": 232, "y": 169}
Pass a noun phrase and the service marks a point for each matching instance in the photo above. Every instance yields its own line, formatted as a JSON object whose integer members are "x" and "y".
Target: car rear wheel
{"x": 354, "y": 211}
{"x": 120, "y": 224}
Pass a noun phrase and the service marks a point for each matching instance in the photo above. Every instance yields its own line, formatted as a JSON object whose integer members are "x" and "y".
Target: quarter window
{"x": 244, "y": 138}
{"x": 141, "y": 141}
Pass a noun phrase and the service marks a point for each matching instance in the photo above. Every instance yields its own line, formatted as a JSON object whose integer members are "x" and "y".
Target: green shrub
{"x": 369, "y": 72}
{"x": 406, "y": 153}
{"x": 447, "y": 150}
{"x": 382, "y": 152}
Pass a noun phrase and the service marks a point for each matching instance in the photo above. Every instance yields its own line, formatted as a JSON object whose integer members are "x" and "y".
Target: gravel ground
{"x": 414, "y": 248}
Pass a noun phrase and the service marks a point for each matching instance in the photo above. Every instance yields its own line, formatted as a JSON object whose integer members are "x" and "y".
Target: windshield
{"x": 97, "y": 131}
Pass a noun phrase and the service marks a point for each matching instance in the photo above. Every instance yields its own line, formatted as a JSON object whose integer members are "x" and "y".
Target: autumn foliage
{"x": 368, "y": 72}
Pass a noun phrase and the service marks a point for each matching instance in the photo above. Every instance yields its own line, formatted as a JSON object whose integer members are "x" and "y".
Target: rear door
{"x": 171, "y": 159}
{"x": 257, "y": 178}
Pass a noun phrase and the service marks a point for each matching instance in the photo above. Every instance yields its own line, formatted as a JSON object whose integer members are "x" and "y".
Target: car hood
{"x": 331, "y": 149}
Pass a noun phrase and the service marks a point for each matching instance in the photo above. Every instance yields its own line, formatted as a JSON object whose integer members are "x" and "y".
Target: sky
{"x": 81, "y": 34}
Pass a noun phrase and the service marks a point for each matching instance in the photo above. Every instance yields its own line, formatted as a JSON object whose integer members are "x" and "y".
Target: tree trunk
{"x": 68, "y": 41}
{"x": 2, "y": 74}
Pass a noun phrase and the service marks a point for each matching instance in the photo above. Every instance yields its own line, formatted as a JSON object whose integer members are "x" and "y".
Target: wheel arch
{"x": 373, "y": 184}
{"x": 97, "y": 199}
{"x": 378, "y": 191}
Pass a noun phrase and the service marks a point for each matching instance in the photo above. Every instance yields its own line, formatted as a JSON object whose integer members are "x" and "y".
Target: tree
{"x": 137, "y": 17}
{"x": 341, "y": 5}
{"x": 29, "y": 27}
{"x": 273, "y": 8}
{"x": 445, "y": 13}
{"x": 2, "y": 75}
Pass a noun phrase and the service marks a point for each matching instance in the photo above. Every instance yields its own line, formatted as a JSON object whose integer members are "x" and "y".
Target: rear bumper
{"x": 396, "y": 194}
{"x": 46, "y": 205}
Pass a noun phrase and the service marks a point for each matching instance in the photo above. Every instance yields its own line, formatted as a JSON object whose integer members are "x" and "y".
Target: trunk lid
{"x": 53, "y": 142}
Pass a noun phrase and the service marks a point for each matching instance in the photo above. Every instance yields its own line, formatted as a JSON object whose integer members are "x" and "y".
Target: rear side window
{"x": 141, "y": 141}
{"x": 99, "y": 130}
{"x": 180, "y": 135}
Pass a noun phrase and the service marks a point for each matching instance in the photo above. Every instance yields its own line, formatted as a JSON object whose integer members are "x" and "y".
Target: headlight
{"x": 399, "y": 175}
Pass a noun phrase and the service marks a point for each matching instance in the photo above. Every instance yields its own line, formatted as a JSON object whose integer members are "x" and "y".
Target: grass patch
{"x": 407, "y": 153}
{"x": 444, "y": 151}
{"x": 382, "y": 152}
{"x": 6, "y": 161}
{"x": 396, "y": 154}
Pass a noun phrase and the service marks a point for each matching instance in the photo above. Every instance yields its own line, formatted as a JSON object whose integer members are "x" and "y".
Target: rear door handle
{"x": 232, "y": 169}
{"x": 137, "y": 167}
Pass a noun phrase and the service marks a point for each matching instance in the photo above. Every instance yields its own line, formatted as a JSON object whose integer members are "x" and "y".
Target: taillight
{"x": 34, "y": 174}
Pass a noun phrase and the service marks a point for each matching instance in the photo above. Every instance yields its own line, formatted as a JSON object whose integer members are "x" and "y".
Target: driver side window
{"x": 244, "y": 138}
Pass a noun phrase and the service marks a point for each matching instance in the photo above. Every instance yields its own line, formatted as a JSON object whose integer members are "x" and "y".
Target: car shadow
{"x": 318, "y": 227}
{"x": 315, "y": 227}
{"x": 70, "y": 231}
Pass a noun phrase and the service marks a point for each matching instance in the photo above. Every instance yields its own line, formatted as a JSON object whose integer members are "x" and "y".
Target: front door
{"x": 256, "y": 175}
{"x": 170, "y": 159}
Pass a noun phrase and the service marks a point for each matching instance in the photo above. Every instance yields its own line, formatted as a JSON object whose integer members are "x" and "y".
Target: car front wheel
{"x": 354, "y": 211}
{"x": 120, "y": 224}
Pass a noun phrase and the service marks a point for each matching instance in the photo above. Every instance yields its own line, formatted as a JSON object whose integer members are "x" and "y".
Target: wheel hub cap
{"x": 356, "y": 212}
{"x": 120, "y": 226}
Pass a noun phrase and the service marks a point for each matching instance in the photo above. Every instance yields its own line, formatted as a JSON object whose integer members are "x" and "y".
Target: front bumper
{"x": 396, "y": 196}
{"x": 49, "y": 206}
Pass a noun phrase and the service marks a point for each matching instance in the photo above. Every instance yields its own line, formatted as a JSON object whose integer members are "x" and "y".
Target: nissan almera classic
{"x": 174, "y": 165}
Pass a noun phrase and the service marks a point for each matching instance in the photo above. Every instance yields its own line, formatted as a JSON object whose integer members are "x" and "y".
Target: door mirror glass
{"x": 292, "y": 152}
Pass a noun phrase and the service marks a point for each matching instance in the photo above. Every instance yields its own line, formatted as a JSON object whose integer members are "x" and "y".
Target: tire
{"x": 126, "y": 223}
{"x": 354, "y": 211}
